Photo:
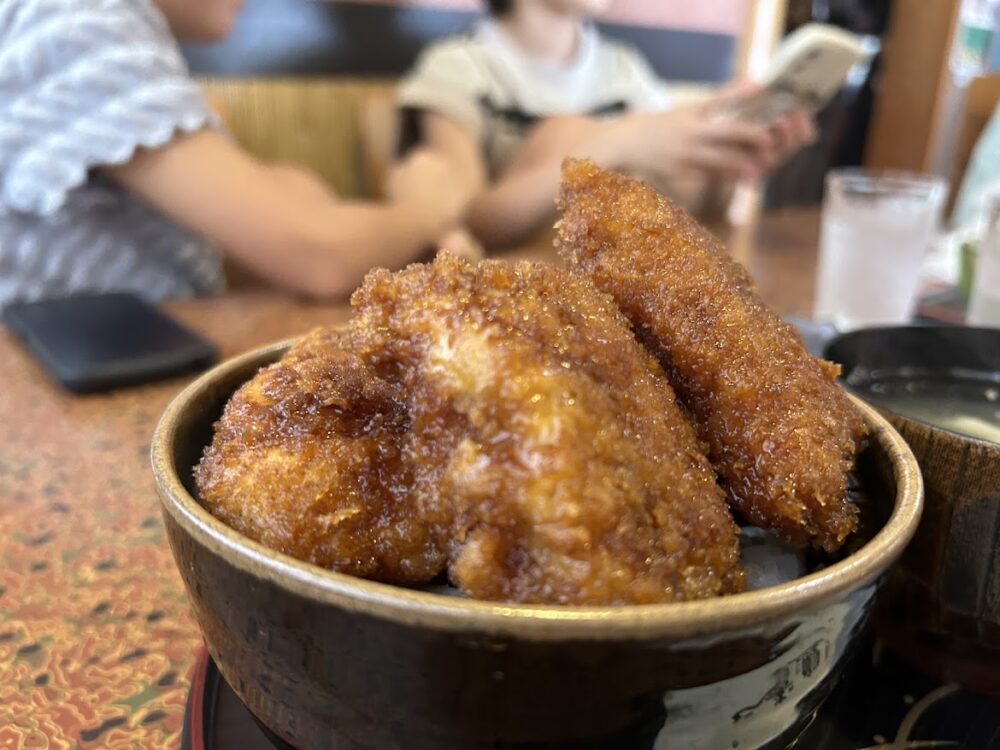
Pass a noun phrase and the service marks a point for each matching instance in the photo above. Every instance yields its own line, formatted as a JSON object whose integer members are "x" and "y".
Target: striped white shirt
{"x": 83, "y": 84}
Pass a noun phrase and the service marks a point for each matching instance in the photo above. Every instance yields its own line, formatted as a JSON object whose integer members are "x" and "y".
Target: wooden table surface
{"x": 96, "y": 636}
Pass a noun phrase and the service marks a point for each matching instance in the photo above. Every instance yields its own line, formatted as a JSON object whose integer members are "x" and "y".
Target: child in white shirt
{"x": 535, "y": 83}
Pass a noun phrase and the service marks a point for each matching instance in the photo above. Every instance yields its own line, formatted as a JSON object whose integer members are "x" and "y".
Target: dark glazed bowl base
{"x": 873, "y": 700}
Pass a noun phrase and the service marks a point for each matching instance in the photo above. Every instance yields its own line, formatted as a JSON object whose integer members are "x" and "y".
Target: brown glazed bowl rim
{"x": 706, "y": 617}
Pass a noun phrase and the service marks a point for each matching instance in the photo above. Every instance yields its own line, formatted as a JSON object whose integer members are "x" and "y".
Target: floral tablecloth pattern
{"x": 96, "y": 636}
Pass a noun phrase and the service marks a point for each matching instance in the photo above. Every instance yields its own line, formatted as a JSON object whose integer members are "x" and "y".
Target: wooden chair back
{"x": 315, "y": 121}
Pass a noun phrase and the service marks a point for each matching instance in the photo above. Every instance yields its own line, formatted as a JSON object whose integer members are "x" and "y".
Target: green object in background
{"x": 967, "y": 267}
{"x": 975, "y": 41}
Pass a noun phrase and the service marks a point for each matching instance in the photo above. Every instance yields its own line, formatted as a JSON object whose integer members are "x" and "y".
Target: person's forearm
{"x": 362, "y": 236}
{"x": 361, "y": 233}
{"x": 329, "y": 253}
{"x": 523, "y": 199}
{"x": 281, "y": 222}
{"x": 516, "y": 206}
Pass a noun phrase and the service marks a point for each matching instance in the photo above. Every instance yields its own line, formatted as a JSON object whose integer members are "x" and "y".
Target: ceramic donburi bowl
{"x": 330, "y": 661}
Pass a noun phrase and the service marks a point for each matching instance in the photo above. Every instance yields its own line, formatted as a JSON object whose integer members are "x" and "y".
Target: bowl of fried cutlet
{"x": 611, "y": 503}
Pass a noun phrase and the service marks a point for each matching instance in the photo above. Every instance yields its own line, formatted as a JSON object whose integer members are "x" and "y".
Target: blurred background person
{"x": 536, "y": 82}
{"x": 116, "y": 175}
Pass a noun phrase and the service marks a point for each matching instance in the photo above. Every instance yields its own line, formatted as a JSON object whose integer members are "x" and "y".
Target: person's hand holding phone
{"x": 805, "y": 73}
{"x": 697, "y": 137}
{"x": 789, "y": 131}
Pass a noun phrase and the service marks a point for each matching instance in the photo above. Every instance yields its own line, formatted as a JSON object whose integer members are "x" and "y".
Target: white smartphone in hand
{"x": 807, "y": 71}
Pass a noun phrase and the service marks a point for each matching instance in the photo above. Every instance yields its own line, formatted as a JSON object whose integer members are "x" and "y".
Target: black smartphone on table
{"x": 98, "y": 342}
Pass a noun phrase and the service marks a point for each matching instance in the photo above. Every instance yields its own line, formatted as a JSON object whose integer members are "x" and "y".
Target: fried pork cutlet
{"x": 781, "y": 434}
{"x": 551, "y": 434}
{"x": 308, "y": 459}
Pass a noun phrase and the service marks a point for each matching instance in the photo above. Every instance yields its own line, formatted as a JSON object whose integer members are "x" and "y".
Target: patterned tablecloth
{"x": 96, "y": 636}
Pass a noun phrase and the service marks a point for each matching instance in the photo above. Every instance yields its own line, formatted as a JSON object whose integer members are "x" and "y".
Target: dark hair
{"x": 499, "y": 7}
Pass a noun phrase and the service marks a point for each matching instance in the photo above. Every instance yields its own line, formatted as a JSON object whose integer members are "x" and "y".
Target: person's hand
{"x": 461, "y": 242}
{"x": 668, "y": 143}
{"x": 424, "y": 183}
{"x": 702, "y": 137}
{"x": 789, "y": 133}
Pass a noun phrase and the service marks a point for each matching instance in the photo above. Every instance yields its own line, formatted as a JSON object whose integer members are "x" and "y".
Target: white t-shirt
{"x": 485, "y": 82}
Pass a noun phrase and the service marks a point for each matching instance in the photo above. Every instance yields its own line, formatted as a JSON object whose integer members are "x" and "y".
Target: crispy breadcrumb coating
{"x": 572, "y": 474}
{"x": 500, "y": 419}
{"x": 781, "y": 433}
{"x": 308, "y": 460}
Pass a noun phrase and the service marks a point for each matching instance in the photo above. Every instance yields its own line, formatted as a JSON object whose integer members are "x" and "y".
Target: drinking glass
{"x": 984, "y": 303}
{"x": 876, "y": 229}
